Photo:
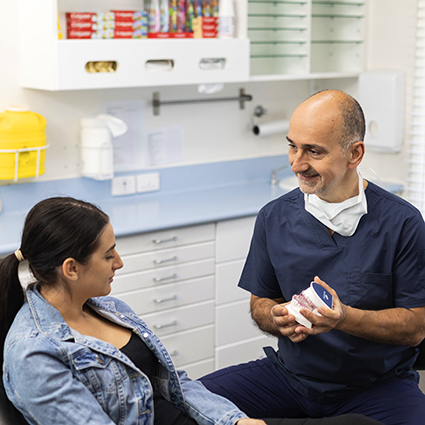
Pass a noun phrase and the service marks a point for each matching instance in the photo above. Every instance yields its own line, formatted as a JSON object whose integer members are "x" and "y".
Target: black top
{"x": 165, "y": 412}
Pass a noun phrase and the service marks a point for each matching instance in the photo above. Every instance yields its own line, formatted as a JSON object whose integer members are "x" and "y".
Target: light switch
{"x": 147, "y": 182}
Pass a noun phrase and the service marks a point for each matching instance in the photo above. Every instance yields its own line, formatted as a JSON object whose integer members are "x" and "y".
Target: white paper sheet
{"x": 130, "y": 149}
{"x": 165, "y": 146}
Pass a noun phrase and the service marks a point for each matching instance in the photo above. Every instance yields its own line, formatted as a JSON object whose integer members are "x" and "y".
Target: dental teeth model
{"x": 311, "y": 299}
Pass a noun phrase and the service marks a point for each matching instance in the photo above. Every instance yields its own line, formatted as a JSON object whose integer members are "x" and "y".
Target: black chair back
{"x": 420, "y": 361}
{"x": 9, "y": 415}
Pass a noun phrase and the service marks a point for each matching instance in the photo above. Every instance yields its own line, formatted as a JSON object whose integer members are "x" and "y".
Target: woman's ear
{"x": 356, "y": 154}
{"x": 69, "y": 269}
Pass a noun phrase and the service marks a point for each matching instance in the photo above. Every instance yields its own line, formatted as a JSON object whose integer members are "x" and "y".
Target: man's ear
{"x": 69, "y": 269}
{"x": 356, "y": 154}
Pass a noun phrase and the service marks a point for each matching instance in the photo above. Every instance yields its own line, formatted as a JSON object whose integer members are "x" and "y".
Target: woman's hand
{"x": 248, "y": 421}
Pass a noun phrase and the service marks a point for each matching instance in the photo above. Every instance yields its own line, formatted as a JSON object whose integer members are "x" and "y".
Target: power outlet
{"x": 148, "y": 182}
{"x": 125, "y": 185}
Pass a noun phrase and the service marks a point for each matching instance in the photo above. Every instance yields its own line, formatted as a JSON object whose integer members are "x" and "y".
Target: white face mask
{"x": 343, "y": 217}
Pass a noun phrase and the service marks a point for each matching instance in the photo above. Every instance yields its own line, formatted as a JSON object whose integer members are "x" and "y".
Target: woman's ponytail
{"x": 11, "y": 296}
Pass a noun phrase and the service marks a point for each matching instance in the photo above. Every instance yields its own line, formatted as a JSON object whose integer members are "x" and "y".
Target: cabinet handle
{"x": 161, "y": 279}
{"x": 164, "y": 300}
{"x": 160, "y": 241}
{"x": 165, "y": 261}
{"x": 166, "y": 325}
{"x": 174, "y": 353}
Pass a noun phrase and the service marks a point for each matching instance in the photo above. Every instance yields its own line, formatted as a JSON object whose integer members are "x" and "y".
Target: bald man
{"x": 366, "y": 247}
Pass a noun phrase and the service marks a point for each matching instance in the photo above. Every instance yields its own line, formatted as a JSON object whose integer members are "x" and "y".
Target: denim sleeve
{"x": 205, "y": 407}
{"x": 41, "y": 386}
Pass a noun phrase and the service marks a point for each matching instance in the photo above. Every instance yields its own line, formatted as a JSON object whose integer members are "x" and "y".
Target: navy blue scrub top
{"x": 381, "y": 266}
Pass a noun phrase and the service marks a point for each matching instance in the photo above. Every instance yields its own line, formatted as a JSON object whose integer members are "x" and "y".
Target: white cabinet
{"x": 183, "y": 283}
{"x": 306, "y": 38}
{"x": 168, "y": 279}
{"x": 49, "y": 63}
{"x": 237, "y": 339}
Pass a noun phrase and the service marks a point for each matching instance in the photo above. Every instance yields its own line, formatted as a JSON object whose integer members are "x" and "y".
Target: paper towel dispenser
{"x": 381, "y": 95}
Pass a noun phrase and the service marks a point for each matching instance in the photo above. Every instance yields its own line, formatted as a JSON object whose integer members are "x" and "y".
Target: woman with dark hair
{"x": 72, "y": 355}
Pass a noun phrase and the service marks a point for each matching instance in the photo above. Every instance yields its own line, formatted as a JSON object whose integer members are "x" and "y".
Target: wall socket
{"x": 128, "y": 185}
{"x": 125, "y": 185}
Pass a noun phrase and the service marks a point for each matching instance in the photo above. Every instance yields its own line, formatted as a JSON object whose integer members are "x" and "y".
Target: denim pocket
{"x": 369, "y": 291}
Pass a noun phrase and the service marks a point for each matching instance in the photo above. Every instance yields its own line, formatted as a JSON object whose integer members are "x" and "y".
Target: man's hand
{"x": 286, "y": 323}
{"x": 328, "y": 320}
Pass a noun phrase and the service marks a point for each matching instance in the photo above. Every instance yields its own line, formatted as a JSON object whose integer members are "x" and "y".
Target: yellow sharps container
{"x": 22, "y": 143}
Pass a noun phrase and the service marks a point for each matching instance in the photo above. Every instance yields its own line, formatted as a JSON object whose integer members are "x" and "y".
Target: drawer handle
{"x": 165, "y": 261}
{"x": 160, "y": 241}
{"x": 165, "y": 300}
{"x": 174, "y": 353}
{"x": 161, "y": 279}
{"x": 166, "y": 325}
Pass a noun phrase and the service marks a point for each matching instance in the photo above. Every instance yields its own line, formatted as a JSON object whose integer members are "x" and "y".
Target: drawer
{"x": 181, "y": 319}
{"x": 165, "y": 238}
{"x": 233, "y": 238}
{"x": 166, "y": 257}
{"x": 167, "y": 297}
{"x": 190, "y": 346}
{"x": 198, "y": 369}
{"x": 244, "y": 351}
{"x": 242, "y": 325}
{"x": 227, "y": 278}
{"x": 162, "y": 276}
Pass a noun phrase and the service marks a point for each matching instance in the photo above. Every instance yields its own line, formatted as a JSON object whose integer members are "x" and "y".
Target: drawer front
{"x": 181, "y": 319}
{"x": 167, "y": 297}
{"x": 234, "y": 323}
{"x": 165, "y": 239}
{"x": 166, "y": 257}
{"x": 198, "y": 369}
{"x": 190, "y": 346}
{"x": 227, "y": 278}
{"x": 162, "y": 276}
{"x": 233, "y": 238}
{"x": 243, "y": 352}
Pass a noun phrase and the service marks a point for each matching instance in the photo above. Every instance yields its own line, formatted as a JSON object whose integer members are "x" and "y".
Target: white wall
{"x": 215, "y": 131}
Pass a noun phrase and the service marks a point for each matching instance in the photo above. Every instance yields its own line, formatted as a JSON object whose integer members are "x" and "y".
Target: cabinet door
{"x": 233, "y": 238}
{"x": 227, "y": 278}
{"x": 166, "y": 257}
{"x": 168, "y": 297}
{"x": 190, "y": 346}
{"x": 172, "y": 320}
{"x": 165, "y": 239}
{"x": 162, "y": 276}
{"x": 234, "y": 323}
{"x": 242, "y": 352}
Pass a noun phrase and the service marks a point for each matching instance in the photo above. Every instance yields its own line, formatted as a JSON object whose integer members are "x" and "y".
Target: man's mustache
{"x": 311, "y": 172}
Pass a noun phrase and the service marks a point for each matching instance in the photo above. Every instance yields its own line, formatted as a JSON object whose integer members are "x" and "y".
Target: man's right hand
{"x": 286, "y": 323}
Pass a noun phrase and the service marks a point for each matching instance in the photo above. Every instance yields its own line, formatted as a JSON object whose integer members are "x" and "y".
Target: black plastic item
{"x": 9, "y": 415}
{"x": 420, "y": 361}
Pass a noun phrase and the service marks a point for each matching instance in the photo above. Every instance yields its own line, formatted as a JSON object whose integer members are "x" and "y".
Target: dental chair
{"x": 8, "y": 414}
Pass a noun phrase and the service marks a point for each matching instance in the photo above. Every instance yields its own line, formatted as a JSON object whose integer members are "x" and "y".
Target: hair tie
{"x": 19, "y": 255}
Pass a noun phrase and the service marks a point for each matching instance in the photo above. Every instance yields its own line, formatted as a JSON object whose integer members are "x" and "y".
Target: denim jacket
{"x": 55, "y": 375}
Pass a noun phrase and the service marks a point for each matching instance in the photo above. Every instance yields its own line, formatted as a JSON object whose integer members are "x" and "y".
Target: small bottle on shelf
{"x": 226, "y": 19}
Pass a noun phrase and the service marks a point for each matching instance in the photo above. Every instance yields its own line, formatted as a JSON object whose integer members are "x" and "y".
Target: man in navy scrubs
{"x": 368, "y": 245}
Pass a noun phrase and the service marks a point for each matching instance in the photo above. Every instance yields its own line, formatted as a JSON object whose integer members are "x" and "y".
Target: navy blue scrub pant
{"x": 260, "y": 390}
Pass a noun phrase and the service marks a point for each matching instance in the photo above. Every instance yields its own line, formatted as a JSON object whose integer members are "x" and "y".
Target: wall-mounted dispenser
{"x": 381, "y": 95}
{"x": 97, "y": 159}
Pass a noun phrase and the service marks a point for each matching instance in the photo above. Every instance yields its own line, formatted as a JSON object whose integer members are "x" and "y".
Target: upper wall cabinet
{"x": 50, "y": 63}
{"x": 276, "y": 39}
{"x": 305, "y": 39}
